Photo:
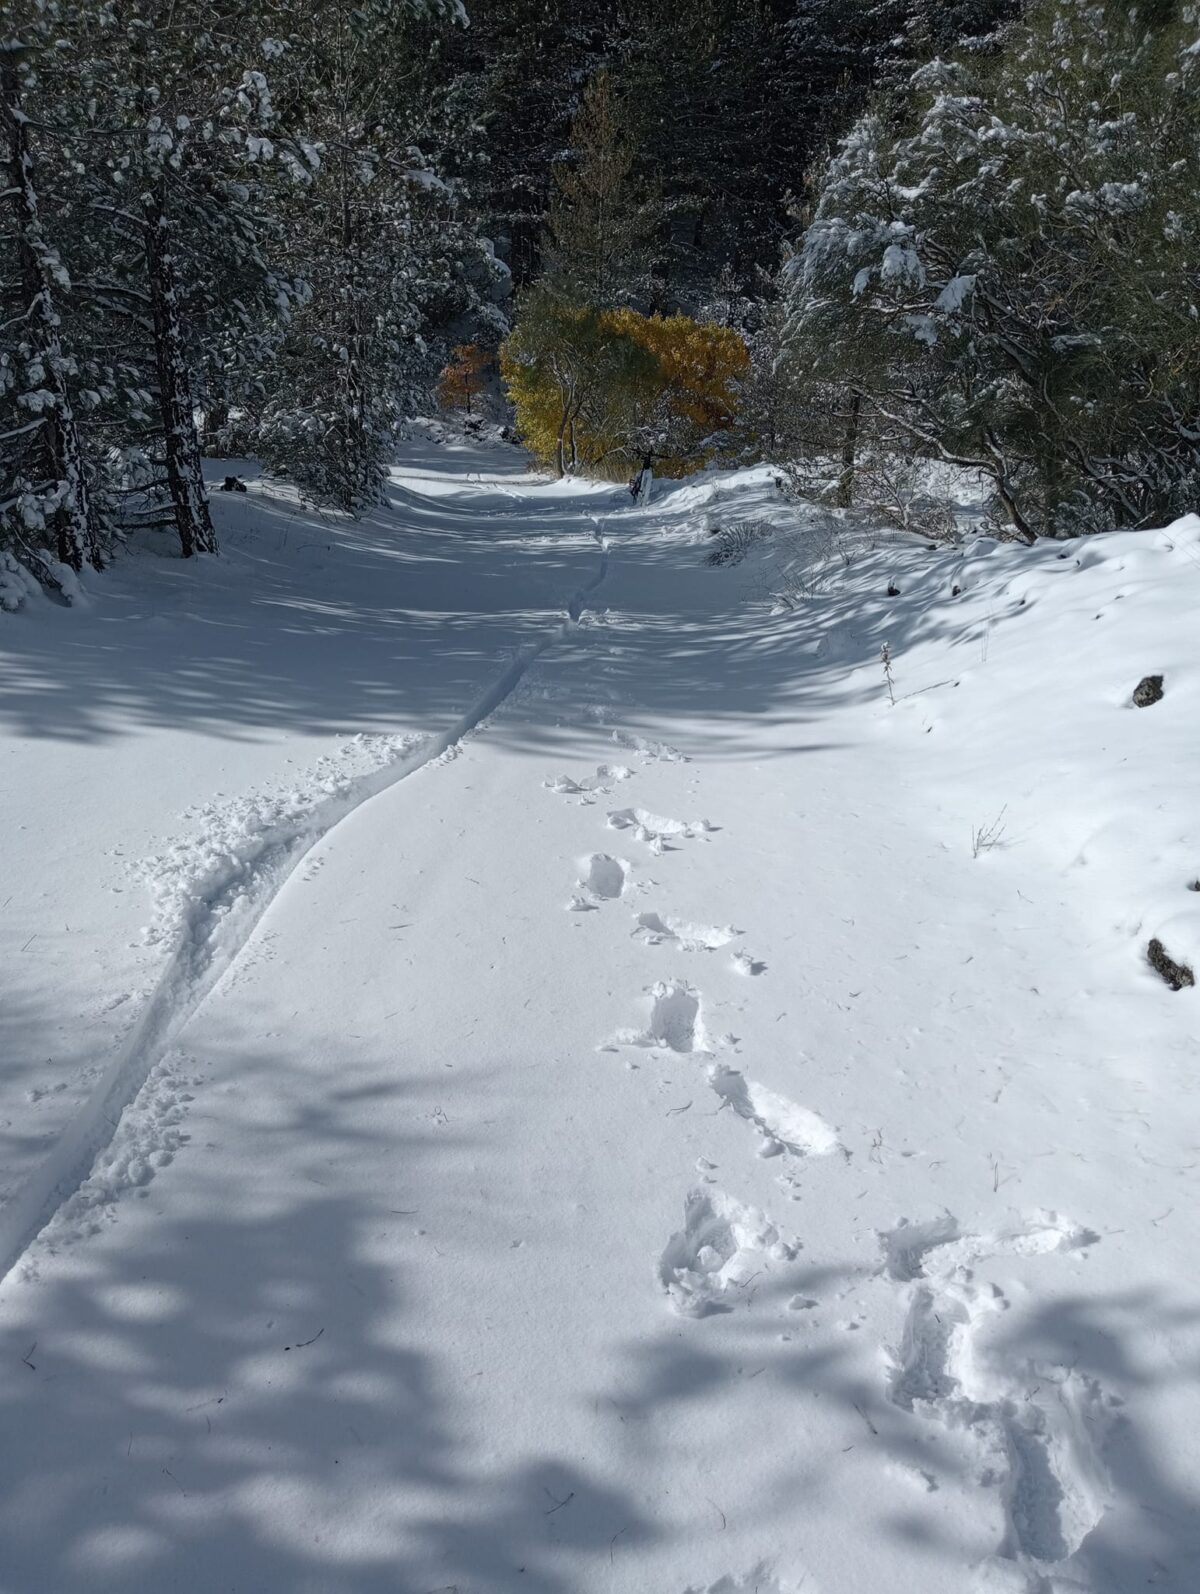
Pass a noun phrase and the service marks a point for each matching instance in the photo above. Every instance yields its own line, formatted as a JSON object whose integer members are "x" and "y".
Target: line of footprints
{"x": 1036, "y": 1432}
{"x": 723, "y": 1242}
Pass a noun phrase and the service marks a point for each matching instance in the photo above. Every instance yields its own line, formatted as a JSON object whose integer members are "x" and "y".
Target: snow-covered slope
{"x": 656, "y": 1114}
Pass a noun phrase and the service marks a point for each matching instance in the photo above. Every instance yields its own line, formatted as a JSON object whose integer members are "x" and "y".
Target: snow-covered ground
{"x": 525, "y": 1070}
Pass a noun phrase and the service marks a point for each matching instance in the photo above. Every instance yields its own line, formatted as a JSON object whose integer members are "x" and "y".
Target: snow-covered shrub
{"x": 732, "y": 543}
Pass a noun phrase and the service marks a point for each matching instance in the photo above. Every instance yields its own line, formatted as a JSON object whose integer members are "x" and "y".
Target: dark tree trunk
{"x": 845, "y": 486}
{"x": 216, "y": 418}
{"x": 185, "y": 479}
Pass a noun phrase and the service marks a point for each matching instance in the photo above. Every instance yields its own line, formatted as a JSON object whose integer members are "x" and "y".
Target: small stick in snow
{"x": 613, "y": 1542}
{"x": 871, "y": 1426}
{"x": 558, "y": 1504}
{"x": 720, "y": 1513}
{"x": 300, "y": 1344}
{"x": 672, "y": 1110}
{"x": 27, "y": 1355}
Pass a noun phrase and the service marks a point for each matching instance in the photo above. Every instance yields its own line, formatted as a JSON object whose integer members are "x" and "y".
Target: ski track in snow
{"x": 83, "y": 1171}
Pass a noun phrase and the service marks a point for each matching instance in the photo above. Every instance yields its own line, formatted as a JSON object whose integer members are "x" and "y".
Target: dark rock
{"x": 893, "y": 590}
{"x": 1176, "y": 975}
{"x": 1148, "y": 690}
{"x": 955, "y": 590}
{"x": 233, "y": 484}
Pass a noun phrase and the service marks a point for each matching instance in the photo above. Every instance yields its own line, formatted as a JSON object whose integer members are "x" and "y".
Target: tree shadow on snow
{"x": 416, "y": 622}
{"x": 232, "y": 1397}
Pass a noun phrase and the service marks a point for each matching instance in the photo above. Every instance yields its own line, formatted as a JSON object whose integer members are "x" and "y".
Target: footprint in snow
{"x": 658, "y": 928}
{"x": 783, "y": 1125}
{"x": 756, "y": 1581}
{"x": 591, "y": 786}
{"x": 650, "y": 750}
{"x": 601, "y": 879}
{"x": 707, "y": 1265}
{"x": 656, "y": 831}
{"x": 1039, "y": 1429}
{"x": 676, "y": 1020}
{"x": 935, "y": 1247}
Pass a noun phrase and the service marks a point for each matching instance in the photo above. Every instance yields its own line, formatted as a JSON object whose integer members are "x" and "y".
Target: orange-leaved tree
{"x": 463, "y": 378}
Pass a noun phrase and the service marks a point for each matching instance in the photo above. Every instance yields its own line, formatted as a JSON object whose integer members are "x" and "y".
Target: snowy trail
{"x": 218, "y": 928}
{"x": 648, "y": 1152}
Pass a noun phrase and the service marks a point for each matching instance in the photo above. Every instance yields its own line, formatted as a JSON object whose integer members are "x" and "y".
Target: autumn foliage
{"x": 597, "y": 390}
{"x": 462, "y": 379}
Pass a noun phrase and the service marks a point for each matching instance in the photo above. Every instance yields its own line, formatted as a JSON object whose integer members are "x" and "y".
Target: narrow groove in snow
{"x": 204, "y": 953}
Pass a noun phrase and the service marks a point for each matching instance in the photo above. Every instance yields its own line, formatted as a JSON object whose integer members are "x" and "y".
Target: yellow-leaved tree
{"x": 603, "y": 390}
{"x": 700, "y": 369}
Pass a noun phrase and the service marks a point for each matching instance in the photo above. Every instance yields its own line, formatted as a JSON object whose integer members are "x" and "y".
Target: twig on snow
{"x": 870, "y": 1425}
{"x": 300, "y": 1344}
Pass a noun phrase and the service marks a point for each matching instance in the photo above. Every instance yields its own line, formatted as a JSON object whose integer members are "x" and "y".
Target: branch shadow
{"x": 236, "y": 1393}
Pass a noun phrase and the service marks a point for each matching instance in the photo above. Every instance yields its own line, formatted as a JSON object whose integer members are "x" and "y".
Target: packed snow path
{"x": 618, "y": 1137}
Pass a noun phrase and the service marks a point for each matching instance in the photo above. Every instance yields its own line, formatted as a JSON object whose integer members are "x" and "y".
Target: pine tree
{"x": 517, "y": 73}
{"x": 375, "y": 236}
{"x": 599, "y": 234}
{"x": 167, "y": 124}
{"x": 723, "y": 137}
{"x": 46, "y": 500}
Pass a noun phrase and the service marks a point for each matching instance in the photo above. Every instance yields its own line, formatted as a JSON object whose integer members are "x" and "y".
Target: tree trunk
{"x": 357, "y": 472}
{"x": 59, "y": 450}
{"x": 1005, "y": 493}
{"x": 216, "y": 418}
{"x": 185, "y": 479}
{"x": 845, "y": 487}
{"x": 566, "y": 420}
